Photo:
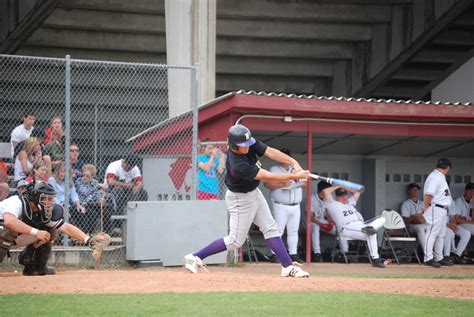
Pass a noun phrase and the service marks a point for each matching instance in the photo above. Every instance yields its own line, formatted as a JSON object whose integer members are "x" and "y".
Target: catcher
{"x": 319, "y": 223}
{"x": 31, "y": 220}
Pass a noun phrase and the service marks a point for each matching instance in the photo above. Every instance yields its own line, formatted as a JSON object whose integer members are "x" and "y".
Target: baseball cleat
{"x": 192, "y": 263}
{"x": 446, "y": 262}
{"x": 28, "y": 271}
{"x": 369, "y": 230}
{"x": 432, "y": 263}
{"x": 378, "y": 263}
{"x": 293, "y": 271}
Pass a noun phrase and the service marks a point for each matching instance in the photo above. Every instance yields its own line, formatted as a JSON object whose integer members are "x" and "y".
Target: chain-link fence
{"x": 102, "y": 119}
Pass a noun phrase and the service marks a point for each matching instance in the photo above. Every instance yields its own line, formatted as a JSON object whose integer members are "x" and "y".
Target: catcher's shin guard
{"x": 35, "y": 260}
{"x": 26, "y": 256}
{"x": 41, "y": 258}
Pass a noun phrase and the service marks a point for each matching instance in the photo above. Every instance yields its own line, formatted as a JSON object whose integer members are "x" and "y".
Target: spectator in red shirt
{"x": 4, "y": 189}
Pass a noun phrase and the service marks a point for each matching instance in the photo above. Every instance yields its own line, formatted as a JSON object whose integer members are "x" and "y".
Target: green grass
{"x": 396, "y": 275}
{"x": 232, "y": 304}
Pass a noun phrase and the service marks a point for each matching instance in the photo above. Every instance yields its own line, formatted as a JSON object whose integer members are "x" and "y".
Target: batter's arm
{"x": 281, "y": 157}
{"x": 264, "y": 175}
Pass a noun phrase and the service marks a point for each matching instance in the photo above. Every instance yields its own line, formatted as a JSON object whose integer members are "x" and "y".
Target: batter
{"x": 246, "y": 203}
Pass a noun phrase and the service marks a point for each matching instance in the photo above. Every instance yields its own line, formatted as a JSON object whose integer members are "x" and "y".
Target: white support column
{"x": 190, "y": 40}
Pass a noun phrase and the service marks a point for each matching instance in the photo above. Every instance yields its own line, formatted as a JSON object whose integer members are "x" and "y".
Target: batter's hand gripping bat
{"x": 339, "y": 182}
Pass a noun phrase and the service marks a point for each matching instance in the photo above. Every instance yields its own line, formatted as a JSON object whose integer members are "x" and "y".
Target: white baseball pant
{"x": 315, "y": 238}
{"x": 420, "y": 230}
{"x": 353, "y": 231}
{"x": 245, "y": 208}
{"x": 434, "y": 239}
{"x": 448, "y": 242}
{"x": 468, "y": 226}
{"x": 289, "y": 217}
{"x": 464, "y": 237}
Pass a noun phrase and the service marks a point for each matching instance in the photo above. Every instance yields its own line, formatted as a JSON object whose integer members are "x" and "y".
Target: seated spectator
{"x": 41, "y": 172}
{"x": 23, "y": 131}
{"x": 21, "y": 187}
{"x": 124, "y": 182}
{"x": 4, "y": 189}
{"x": 76, "y": 164}
{"x": 55, "y": 130}
{"x": 38, "y": 134}
{"x": 58, "y": 181}
{"x": 92, "y": 198}
{"x": 350, "y": 223}
{"x": 25, "y": 160}
{"x": 55, "y": 149}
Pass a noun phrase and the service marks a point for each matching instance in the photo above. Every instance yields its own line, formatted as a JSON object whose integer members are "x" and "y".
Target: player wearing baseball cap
{"x": 436, "y": 200}
{"x": 245, "y": 202}
{"x": 320, "y": 223}
{"x": 350, "y": 223}
{"x": 461, "y": 216}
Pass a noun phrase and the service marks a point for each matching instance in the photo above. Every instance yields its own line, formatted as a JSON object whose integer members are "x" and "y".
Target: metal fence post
{"x": 67, "y": 120}
{"x": 194, "y": 105}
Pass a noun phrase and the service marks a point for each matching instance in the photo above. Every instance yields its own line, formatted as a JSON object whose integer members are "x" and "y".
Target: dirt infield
{"x": 248, "y": 277}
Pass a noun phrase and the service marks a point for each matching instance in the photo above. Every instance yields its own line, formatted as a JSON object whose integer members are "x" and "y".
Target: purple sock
{"x": 277, "y": 246}
{"x": 211, "y": 249}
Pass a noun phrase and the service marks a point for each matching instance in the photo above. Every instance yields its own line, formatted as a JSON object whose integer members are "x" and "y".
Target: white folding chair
{"x": 355, "y": 254}
{"x": 396, "y": 231}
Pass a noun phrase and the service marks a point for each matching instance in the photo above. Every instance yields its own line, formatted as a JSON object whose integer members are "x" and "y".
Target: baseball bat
{"x": 339, "y": 182}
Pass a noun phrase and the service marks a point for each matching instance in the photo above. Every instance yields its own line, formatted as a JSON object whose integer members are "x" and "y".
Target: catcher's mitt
{"x": 327, "y": 227}
{"x": 98, "y": 243}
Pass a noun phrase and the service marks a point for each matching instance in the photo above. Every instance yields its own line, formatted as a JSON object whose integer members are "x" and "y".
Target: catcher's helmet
{"x": 239, "y": 136}
{"x": 42, "y": 195}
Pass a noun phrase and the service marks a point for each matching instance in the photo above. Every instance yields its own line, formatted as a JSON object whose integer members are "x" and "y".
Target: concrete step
{"x": 110, "y": 21}
{"x": 305, "y": 10}
{"x": 298, "y": 85}
{"x": 274, "y": 66}
{"x": 87, "y": 39}
{"x": 294, "y": 30}
{"x": 138, "y": 6}
{"x": 100, "y": 55}
{"x": 281, "y": 48}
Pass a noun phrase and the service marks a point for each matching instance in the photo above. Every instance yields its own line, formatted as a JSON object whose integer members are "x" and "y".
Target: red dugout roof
{"x": 267, "y": 112}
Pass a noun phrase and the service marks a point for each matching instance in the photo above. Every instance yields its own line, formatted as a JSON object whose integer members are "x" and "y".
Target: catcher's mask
{"x": 239, "y": 136}
{"x": 42, "y": 195}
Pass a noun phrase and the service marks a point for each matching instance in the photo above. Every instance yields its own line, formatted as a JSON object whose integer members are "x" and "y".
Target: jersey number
{"x": 347, "y": 213}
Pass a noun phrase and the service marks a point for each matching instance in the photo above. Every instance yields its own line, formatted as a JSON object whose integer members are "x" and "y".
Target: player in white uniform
{"x": 320, "y": 223}
{"x": 350, "y": 223}
{"x": 412, "y": 213}
{"x": 286, "y": 198}
{"x": 460, "y": 213}
{"x": 436, "y": 200}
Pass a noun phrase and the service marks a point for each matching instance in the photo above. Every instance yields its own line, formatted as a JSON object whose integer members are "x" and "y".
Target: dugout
{"x": 383, "y": 144}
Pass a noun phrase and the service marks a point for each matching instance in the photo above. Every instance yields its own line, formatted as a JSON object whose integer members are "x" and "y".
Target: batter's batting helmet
{"x": 239, "y": 136}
